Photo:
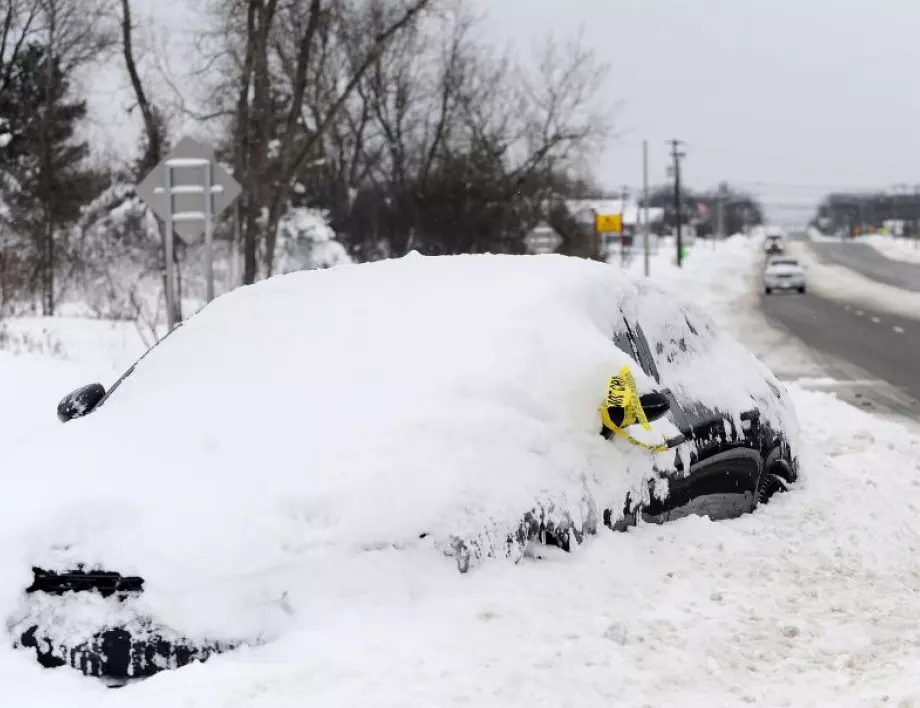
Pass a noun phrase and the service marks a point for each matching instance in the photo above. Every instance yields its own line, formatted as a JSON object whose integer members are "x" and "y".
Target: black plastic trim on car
{"x": 104, "y": 582}
{"x": 112, "y": 653}
{"x": 730, "y": 474}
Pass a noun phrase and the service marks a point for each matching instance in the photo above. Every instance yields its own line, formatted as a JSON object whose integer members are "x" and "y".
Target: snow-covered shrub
{"x": 116, "y": 248}
{"x": 24, "y": 342}
{"x": 307, "y": 242}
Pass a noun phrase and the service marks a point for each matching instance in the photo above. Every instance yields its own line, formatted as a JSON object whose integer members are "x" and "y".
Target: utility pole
{"x": 722, "y": 198}
{"x": 646, "y": 226}
{"x": 624, "y": 195}
{"x": 721, "y": 207}
{"x": 916, "y": 235}
{"x": 676, "y": 155}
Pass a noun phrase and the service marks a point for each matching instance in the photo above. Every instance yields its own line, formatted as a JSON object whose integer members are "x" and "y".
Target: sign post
{"x": 608, "y": 224}
{"x": 168, "y": 246}
{"x": 188, "y": 190}
{"x": 646, "y": 226}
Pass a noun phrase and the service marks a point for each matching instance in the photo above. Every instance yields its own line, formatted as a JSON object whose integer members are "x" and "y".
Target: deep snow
{"x": 839, "y": 283}
{"x": 898, "y": 249}
{"x": 810, "y": 601}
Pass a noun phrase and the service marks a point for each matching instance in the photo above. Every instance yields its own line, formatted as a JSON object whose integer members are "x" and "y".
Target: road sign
{"x": 543, "y": 239}
{"x": 608, "y": 223}
{"x": 187, "y": 190}
{"x": 188, "y": 173}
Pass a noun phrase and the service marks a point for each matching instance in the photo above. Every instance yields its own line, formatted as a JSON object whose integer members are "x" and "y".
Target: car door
{"x": 724, "y": 460}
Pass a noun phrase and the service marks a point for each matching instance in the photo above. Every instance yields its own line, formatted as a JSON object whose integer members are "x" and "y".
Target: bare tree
{"x": 466, "y": 144}
{"x": 282, "y": 53}
{"x": 394, "y": 116}
{"x": 152, "y": 117}
{"x": 19, "y": 20}
{"x": 155, "y": 134}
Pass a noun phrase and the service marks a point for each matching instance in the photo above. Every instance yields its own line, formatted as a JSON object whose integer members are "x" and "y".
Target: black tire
{"x": 802, "y": 290}
{"x": 770, "y": 485}
{"x": 768, "y": 291}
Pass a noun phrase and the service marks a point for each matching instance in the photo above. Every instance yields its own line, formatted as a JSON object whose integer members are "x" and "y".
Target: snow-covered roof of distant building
{"x": 584, "y": 210}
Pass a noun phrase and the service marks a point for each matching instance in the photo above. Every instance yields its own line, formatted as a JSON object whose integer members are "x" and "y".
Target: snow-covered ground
{"x": 42, "y": 359}
{"x": 894, "y": 247}
{"x": 898, "y": 249}
{"x": 812, "y": 601}
{"x": 839, "y": 283}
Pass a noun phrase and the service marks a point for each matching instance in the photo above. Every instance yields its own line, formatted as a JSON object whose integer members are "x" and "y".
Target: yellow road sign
{"x": 608, "y": 223}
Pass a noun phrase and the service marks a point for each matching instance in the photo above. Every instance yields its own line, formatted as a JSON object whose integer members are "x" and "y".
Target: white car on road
{"x": 782, "y": 273}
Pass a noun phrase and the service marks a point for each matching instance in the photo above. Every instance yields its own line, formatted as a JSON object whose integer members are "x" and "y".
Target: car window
{"x": 783, "y": 262}
{"x": 645, "y": 352}
{"x": 675, "y": 333}
{"x": 624, "y": 343}
{"x": 679, "y": 339}
{"x": 687, "y": 335}
{"x": 665, "y": 335}
{"x": 629, "y": 339}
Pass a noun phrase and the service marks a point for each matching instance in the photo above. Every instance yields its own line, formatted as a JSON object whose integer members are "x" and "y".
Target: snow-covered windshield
{"x": 114, "y": 386}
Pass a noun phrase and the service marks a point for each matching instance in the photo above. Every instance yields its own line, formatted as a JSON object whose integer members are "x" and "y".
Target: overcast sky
{"x": 790, "y": 98}
{"x": 787, "y": 98}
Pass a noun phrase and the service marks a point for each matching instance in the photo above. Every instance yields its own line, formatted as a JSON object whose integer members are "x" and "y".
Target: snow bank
{"x": 32, "y": 385}
{"x": 103, "y": 347}
{"x": 817, "y": 235}
{"x": 898, "y": 249}
{"x": 842, "y": 284}
{"x": 810, "y": 601}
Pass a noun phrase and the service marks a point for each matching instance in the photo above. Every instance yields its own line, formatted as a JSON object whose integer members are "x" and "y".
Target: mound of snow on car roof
{"x": 338, "y": 412}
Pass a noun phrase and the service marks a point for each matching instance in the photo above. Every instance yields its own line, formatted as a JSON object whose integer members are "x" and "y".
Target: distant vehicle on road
{"x": 782, "y": 273}
{"x": 775, "y": 243}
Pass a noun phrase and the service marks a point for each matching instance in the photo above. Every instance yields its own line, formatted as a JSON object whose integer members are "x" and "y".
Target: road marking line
{"x": 876, "y": 320}
{"x": 859, "y": 313}
{"x": 837, "y": 383}
{"x": 899, "y": 330}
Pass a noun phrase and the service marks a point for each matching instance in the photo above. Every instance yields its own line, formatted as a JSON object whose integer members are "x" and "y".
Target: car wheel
{"x": 802, "y": 290}
{"x": 770, "y": 484}
{"x": 768, "y": 291}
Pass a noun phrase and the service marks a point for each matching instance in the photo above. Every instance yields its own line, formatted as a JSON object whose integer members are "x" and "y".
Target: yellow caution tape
{"x": 622, "y": 393}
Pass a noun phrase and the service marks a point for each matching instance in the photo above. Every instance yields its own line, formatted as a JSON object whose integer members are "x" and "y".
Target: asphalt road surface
{"x": 884, "y": 346}
{"x": 867, "y": 261}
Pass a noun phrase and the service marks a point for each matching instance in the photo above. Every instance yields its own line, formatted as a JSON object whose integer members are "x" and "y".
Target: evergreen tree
{"x": 44, "y": 163}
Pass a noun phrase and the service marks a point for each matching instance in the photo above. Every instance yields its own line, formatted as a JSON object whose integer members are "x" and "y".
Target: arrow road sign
{"x": 188, "y": 173}
{"x": 187, "y": 190}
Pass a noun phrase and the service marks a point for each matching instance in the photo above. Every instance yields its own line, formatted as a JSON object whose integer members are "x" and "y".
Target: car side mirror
{"x": 655, "y": 404}
{"x": 80, "y": 402}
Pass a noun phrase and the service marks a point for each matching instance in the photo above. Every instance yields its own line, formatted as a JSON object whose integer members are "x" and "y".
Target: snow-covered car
{"x": 783, "y": 274}
{"x": 455, "y": 409}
